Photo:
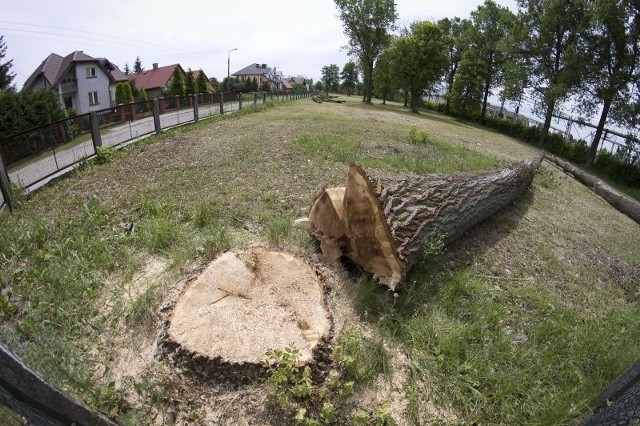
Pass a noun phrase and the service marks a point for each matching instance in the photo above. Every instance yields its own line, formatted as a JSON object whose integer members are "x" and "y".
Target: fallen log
{"x": 622, "y": 202}
{"x": 383, "y": 223}
{"x": 327, "y": 98}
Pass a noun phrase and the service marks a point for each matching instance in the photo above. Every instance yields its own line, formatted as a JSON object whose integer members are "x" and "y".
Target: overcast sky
{"x": 298, "y": 37}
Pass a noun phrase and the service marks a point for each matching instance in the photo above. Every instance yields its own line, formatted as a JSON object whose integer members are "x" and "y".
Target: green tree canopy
{"x": 331, "y": 77}
{"x": 20, "y": 111}
{"x": 190, "y": 83}
{"x": 124, "y": 94}
{"x": 550, "y": 50}
{"x": 202, "y": 84}
{"x": 137, "y": 65}
{"x": 349, "y": 76}
{"x": 176, "y": 83}
{"x": 6, "y": 76}
{"x": 613, "y": 46}
{"x": 127, "y": 70}
{"x": 456, "y": 34}
{"x": 491, "y": 26}
{"x": 384, "y": 81}
{"x": 465, "y": 97}
{"x": 420, "y": 60}
{"x": 143, "y": 95}
{"x": 366, "y": 24}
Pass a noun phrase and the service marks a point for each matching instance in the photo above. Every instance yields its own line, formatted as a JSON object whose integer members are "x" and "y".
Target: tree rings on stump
{"x": 246, "y": 303}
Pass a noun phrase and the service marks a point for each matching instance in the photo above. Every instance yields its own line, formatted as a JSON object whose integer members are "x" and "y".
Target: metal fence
{"x": 32, "y": 158}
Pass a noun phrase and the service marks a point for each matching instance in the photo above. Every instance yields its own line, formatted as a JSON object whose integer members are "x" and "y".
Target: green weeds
{"x": 417, "y": 137}
{"x": 359, "y": 361}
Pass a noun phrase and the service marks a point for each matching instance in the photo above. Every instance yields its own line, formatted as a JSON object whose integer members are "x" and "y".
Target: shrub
{"x": 418, "y": 136}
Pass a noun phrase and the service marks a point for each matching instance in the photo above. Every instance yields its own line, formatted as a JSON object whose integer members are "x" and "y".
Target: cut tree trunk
{"x": 622, "y": 202}
{"x": 383, "y": 223}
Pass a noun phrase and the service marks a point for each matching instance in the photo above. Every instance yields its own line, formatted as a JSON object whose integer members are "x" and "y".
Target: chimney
{"x": 155, "y": 65}
{"x": 264, "y": 66}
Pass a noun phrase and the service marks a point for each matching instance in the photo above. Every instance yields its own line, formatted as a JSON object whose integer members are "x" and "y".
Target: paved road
{"x": 59, "y": 161}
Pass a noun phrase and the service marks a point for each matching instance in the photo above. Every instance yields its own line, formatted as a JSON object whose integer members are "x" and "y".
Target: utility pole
{"x": 229, "y": 68}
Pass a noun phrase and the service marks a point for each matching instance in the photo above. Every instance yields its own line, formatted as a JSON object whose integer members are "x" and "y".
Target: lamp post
{"x": 229, "y": 68}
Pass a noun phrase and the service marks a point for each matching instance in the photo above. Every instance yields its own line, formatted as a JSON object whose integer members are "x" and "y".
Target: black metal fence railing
{"x": 33, "y": 157}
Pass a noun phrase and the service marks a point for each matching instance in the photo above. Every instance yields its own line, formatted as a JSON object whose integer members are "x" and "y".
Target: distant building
{"x": 155, "y": 80}
{"x": 262, "y": 73}
{"x": 83, "y": 83}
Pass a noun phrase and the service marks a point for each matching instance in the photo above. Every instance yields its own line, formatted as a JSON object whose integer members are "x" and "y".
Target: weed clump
{"x": 418, "y": 137}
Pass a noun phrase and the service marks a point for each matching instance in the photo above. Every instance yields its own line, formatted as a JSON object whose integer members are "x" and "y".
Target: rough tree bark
{"x": 621, "y": 202}
{"x": 383, "y": 223}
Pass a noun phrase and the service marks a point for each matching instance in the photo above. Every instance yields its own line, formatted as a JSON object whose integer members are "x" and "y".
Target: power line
{"x": 70, "y": 30}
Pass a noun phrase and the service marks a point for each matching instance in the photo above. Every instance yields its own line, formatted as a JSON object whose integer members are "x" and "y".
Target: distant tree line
{"x": 584, "y": 53}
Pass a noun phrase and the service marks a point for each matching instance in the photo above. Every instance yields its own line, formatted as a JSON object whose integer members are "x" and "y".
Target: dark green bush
{"x": 622, "y": 168}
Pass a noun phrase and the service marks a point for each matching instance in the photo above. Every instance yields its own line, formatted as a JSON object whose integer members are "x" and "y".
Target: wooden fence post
{"x": 156, "y": 116}
{"x": 221, "y": 103}
{"x": 194, "y": 99}
{"x": 27, "y": 393}
{"x": 255, "y": 98}
{"x": 95, "y": 130}
{"x": 5, "y": 187}
{"x": 239, "y": 101}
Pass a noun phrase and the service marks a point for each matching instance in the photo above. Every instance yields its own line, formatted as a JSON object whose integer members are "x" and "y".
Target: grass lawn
{"x": 523, "y": 320}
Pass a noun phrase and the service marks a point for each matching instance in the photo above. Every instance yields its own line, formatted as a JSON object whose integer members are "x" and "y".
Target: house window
{"x": 93, "y": 98}
{"x": 91, "y": 72}
{"x": 68, "y": 102}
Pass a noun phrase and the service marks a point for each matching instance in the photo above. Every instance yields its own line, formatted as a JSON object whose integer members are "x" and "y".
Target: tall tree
{"x": 349, "y": 76}
{"x": 6, "y": 76}
{"x": 123, "y": 93}
{"x": 366, "y": 24}
{"x": 491, "y": 24}
{"x": 456, "y": 32}
{"x": 137, "y": 65}
{"x": 127, "y": 70}
{"x": 613, "y": 45}
{"x": 143, "y": 95}
{"x": 420, "y": 60}
{"x": 176, "y": 83}
{"x": 202, "y": 84}
{"x": 190, "y": 83}
{"x": 384, "y": 79}
{"x": 551, "y": 50}
{"x": 467, "y": 92}
{"x": 331, "y": 77}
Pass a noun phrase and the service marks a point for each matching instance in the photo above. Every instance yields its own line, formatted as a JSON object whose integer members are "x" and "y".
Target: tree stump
{"x": 244, "y": 304}
{"x": 383, "y": 223}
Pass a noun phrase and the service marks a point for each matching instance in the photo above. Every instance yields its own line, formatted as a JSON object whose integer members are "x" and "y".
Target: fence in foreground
{"x": 30, "y": 159}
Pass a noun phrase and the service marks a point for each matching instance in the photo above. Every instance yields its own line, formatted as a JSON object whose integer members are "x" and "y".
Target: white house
{"x": 83, "y": 83}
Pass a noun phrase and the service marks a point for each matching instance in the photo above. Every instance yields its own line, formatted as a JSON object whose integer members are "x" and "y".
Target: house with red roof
{"x": 155, "y": 80}
{"x": 83, "y": 83}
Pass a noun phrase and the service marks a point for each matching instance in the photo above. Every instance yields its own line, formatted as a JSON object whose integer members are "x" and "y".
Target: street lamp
{"x": 229, "y": 68}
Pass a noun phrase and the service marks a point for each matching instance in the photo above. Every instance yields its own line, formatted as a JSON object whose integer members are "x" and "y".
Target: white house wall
{"x": 86, "y": 85}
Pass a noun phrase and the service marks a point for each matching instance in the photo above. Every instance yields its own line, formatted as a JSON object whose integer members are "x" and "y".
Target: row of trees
{"x": 137, "y": 66}
{"x": 234, "y": 84}
{"x": 586, "y": 52}
{"x": 332, "y": 76}
{"x": 189, "y": 85}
